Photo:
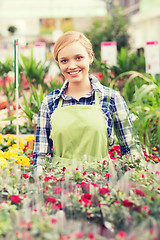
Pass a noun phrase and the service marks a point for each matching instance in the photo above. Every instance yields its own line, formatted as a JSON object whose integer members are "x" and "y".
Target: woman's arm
{"x": 43, "y": 143}
{"x": 128, "y": 141}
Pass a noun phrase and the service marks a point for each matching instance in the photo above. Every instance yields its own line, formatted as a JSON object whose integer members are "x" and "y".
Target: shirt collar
{"x": 96, "y": 86}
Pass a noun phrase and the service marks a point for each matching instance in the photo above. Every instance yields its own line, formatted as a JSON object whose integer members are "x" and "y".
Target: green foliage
{"x": 128, "y": 61}
{"x": 32, "y": 107}
{"x": 142, "y": 93}
{"x": 53, "y": 84}
{"x": 112, "y": 28}
{"x": 34, "y": 72}
{"x": 6, "y": 67}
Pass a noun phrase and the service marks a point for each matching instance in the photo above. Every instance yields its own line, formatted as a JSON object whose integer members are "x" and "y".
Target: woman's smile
{"x": 74, "y": 62}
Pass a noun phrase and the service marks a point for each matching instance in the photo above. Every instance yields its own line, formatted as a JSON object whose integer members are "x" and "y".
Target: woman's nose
{"x": 72, "y": 64}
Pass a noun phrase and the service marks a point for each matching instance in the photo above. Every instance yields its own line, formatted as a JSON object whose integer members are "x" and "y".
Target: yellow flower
{"x": 1, "y": 137}
{"x": 1, "y": 153}
{"x": 23, "y": 161}
{"x": 29, "y": 138}
{"x": 3, "y": 162}
{"x": 9, "y": 142}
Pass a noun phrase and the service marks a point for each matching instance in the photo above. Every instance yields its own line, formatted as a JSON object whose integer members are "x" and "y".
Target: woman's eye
{"x": 63, "y": 61}
{"x": 79, "y": 57}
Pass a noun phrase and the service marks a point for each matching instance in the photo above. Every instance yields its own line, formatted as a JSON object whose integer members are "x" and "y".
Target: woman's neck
{"x": 78, "y": 90}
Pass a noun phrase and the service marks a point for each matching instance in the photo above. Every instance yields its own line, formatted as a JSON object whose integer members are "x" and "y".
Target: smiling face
{"x": 74, "y": 61}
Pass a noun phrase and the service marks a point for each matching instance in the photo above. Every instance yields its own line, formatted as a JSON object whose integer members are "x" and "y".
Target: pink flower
{"x": 51, "y": 199}
{"x": 139, "y": 192}
{"x": 79, "y": 234}
{"x": 87, "y": 196}
{"x": 53, "y": 220}
{"x": 63, "y": 169}
{"x": 91, "y": 235}
{"x": 122, "y": 234}
{"x": 146, "y": 208}
{"x": 25, "y": 175}
{"x": 103, "y": 190}
{"x": 94, "y": 173}
{"x": 57, "y": 190}
{"x": 46, "y": 179}
{"x": 127, "y": 203}
{"x": 15, "y": 199}
{"x": 104, "y": 162}
{"x": 84, "y": 173}
{"x": 107, "y": 175}
{"x": 94, "y": 184}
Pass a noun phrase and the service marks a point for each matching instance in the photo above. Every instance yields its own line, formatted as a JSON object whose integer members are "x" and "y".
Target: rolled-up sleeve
{"x": 128, "y": 141}
{"x": 43, "y": 143}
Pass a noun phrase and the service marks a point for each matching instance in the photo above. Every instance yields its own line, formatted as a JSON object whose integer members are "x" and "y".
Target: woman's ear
{"x": 91, "y": 60}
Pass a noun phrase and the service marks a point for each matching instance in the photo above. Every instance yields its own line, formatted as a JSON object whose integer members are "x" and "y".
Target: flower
{"x": 91, "y": 235}
{"x": 79, "y": 234}
{"x": 139, "y": 192}
{"x": 127, "y": 203}
{"x": 121, "y": 234}
{"x": 15, "y": 199}
{"x": 103, "y": 190}
{"x": 25, "y": 175}
{"x": 57, "y": 190}
{"x": 51, "y": 199}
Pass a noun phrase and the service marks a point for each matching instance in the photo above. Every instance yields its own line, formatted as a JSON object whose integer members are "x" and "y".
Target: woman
{"x": 78, "y": 119}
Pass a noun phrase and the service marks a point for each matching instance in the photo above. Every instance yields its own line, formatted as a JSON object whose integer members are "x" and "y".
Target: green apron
{"x": 79, "y": 132}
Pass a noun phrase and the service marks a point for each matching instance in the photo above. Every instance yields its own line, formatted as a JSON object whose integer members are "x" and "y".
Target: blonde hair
{"x": 70, "y": 37}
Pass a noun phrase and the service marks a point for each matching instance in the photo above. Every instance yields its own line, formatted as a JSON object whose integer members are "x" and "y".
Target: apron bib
{"x": 79, "y": 131}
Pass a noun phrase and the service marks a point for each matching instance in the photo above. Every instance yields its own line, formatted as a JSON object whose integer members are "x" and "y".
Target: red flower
{"x": 94, "y": 184}
{"x": 104, "y": 162}
{"x": 139, "y": 192}
{"x": 63, "y": 169}
{"x": 146, "y": 208}
{"x": 25, "y": 175}
{"x": 122, "y": 234}
{"x": 87, "y": 196}
{"x": 85, "y": 185}
{"x": 84, "y": 173}
{"x": 64, "y": 237}
{"x": 46, "y": 179}
{"x": 59, "y": 206}
{"x": 107, "y": 175}
{"x": 57, "y": 190}
{"x": 91, "y": 235}
{"x": 79, "y": 234}
{"x": 127, "y": 203}
{"x": 103, "y": 190}
{"x": 87, "y": 203}
{"x": 51, "y": 199}
{"x": 94, "y": 173}
{"x": 15, "y": 199}
{"x": 53, "y": 220}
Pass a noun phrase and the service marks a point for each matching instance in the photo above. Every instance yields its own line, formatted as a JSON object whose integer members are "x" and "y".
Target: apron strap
{"x": 96, "y": 94}
{"x": 60, "y": 102}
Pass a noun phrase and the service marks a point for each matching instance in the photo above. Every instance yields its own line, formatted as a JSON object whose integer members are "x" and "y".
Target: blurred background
{"x": 33, "y": 21}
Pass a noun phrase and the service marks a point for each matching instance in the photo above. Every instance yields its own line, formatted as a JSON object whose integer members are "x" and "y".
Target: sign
{"x": 109, "y": 53}
{"x": 152, "y": 57}
{"x": 39, "y": 52}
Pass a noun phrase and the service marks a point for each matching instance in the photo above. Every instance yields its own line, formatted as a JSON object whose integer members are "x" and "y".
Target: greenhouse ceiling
{"x": 51, "y": 8}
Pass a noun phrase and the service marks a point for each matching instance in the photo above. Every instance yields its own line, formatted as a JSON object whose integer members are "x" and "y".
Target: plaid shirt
{"x": 114, "y": 109}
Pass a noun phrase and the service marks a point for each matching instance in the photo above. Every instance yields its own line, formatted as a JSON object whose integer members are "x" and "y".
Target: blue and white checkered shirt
{"x": 114, "y": 109}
